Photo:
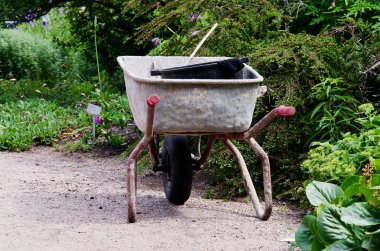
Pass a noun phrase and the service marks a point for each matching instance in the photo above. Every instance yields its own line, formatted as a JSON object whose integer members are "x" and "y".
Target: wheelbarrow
{"x": 176, "y": 108}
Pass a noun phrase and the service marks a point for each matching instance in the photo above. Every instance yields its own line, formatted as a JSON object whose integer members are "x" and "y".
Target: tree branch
{"x": 373, "y": 67}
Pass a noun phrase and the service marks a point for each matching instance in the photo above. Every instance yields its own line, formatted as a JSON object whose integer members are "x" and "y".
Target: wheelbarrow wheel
{"x": 176, "y": 156}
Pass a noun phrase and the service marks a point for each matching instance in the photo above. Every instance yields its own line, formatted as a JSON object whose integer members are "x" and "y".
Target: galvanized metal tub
{"x": 190, "y": 106}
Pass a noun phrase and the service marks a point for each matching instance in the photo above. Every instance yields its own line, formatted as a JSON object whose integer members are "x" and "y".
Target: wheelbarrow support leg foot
{"x": 266, "y": 177}
{"x": 262, "y": 213}
{"x": 131, "y": 179}
{"x": 152, "y": 101}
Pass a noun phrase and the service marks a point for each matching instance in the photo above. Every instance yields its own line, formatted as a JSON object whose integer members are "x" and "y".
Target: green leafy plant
{"x": 347, "y": 18}
{"x": 336, "y": 112}
{"x": 115, "y": 116}
{"x": 34, "y": 121}
{"x": 334, "y": 161}
{"x": 342, "y": 219}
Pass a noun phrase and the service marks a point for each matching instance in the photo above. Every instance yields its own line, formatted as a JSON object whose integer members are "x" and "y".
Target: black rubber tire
{"x": 178, "y": 181}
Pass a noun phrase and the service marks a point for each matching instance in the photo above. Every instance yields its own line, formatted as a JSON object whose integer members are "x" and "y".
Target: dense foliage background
{"x": 317, "y": 55}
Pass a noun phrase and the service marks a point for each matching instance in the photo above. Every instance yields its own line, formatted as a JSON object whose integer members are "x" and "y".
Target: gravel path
{"x": 55, "y": 201}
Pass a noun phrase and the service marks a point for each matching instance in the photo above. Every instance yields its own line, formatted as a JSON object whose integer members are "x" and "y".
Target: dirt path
{"x": 55, "y": 201}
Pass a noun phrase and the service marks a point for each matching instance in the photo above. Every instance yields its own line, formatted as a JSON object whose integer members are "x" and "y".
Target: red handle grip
{"x": 286, "y": 111}
{"x": 153, "y": 100}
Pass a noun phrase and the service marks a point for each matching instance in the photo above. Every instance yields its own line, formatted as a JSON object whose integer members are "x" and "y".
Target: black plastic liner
{"x": 224, "y": 69}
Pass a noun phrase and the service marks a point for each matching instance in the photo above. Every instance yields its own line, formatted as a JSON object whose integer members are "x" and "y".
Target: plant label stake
{"x": 95, "y": 111}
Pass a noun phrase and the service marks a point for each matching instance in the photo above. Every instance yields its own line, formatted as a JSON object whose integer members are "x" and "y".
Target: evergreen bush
{"x": 23, "y": 55}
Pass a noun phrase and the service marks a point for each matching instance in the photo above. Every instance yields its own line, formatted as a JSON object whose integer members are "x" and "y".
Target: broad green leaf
{"x": 361, "y": 214}
{"x": 316, "y": 245}
{"x": 376, "y": 164}
{"x": 345, "y": 245}
{"x": 352, "y": 190}
{"x": 331, "y": 227}
{"x": 350, "y": 180}
{"x": 359, "y": 231}
{"x": 375, "y": 180}
{"x": 316, "y": 109}
{"x": 311, "y": 222}
{"x": 304, "y": 235}
{"x": 349, "y": 201}
{"x": 322, "y": 193}
{"x": 365, "y": 243}
{"x": 373, "y": 232}
{"x": 304, "y": 238}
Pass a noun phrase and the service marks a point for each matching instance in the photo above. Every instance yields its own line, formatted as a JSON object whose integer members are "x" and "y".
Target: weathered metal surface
{"x": 190, "y": 106}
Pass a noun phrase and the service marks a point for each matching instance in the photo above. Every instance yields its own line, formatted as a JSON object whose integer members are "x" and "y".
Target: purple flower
{"x": 31, "y": 24}
{"x": 333, "y": 4}
{"x": 194, "y": 33}
{"x": 195, "y": 17}
{"x": 45, "y": 23}
{"x": 155, "y": 41}
{"x": 30, "y": 16}
{"x": 158, "y": 3}
{"x": 98, "y": 120}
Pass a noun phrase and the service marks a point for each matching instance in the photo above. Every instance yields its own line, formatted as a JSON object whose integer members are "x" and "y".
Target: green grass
{"x": 34, "y": 121}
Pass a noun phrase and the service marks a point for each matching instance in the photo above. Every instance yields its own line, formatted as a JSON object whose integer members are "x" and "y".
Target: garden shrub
{"x": 336, "y": 112}
{"x": 23, "y": 55}
{"x": 344, "y": 18}
{"x": 334, "y": 161}
{"x": 241, "y": 26}
{"x": 114, "y": 30}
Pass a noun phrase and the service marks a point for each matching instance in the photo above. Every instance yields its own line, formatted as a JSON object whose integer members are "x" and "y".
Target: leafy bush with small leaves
{"x": 23, "y": 55}
{"x": 241, "y": 24}
{"x": 334, "y": 161}
{"x": 345, "y": 18}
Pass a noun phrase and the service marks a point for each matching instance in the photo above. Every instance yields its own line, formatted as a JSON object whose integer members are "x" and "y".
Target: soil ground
{"x": 52, "y": 200}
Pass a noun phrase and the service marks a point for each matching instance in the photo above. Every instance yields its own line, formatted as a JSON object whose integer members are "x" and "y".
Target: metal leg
{"x": 266, "y": 177}
{"x": 152, "y": 101}
{"x": 262, "y": 213}
{"x": 131, "y": 186}
{"x": 206, "y": 152}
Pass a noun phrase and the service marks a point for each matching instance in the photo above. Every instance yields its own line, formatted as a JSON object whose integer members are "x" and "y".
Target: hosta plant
{"x": 345, "y": 217}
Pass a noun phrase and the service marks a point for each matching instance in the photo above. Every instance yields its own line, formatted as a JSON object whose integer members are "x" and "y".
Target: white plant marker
{"x": 95, "y": 111}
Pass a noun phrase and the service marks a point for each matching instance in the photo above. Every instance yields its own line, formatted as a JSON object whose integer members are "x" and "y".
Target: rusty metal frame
{"x": 262, "y": 212}
{"x": 148, "y": 139}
